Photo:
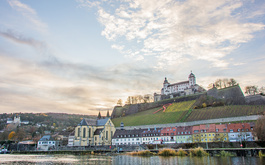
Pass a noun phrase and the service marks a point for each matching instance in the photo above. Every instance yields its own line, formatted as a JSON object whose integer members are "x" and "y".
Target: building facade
{"x": 178, "y": 89}
{"x": 92, "y": 132}
{"x": 46, "y": 143}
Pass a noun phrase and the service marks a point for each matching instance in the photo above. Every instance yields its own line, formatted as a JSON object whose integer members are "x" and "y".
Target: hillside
{"x": 173, "y": 113}
{"x": 183, "y": 112}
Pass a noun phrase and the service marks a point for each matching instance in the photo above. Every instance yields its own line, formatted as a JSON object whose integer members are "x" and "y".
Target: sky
{"x": 81, "y": 56}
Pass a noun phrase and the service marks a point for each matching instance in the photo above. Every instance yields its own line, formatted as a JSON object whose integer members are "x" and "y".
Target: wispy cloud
{"x": 175, "y": 30}
{"x": 29, "y": 13}
{"x": 28, "y": 86}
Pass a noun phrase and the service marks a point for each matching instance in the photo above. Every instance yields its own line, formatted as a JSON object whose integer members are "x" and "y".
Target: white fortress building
{"x": 178, "y": 89}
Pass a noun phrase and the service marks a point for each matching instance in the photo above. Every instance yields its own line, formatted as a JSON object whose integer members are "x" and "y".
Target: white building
{"x": 179, "y": 89}
{"x": 46, "y": 143}
{"x": 127, "y": 137}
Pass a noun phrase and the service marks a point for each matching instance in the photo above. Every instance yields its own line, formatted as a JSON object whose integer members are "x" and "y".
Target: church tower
{"x": 192, "y": 79}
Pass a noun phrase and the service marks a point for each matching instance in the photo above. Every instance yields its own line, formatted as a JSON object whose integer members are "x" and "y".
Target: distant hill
{"x": 60, "y": 120}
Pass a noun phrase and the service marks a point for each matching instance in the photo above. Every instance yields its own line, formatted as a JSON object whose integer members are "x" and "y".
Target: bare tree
{"x": 225, "y": 82}
{"x": 251, "y": 90}
{"x": 259, "y": 129}
{"x": 218, "y": 83}
{"x": 119, "y": 103}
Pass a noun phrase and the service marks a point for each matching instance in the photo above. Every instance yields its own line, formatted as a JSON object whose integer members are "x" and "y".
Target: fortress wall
{"x": 255, "y": 100}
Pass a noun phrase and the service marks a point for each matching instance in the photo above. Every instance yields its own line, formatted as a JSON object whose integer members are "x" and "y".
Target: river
{"x": 126, "y": 159}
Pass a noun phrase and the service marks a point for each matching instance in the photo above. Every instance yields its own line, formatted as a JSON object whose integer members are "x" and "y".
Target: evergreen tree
{"x": 99, "y": 115}
{"x": 108, "y": 114}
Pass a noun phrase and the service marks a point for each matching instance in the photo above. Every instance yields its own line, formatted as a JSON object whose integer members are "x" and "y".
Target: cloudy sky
{"x": 81, "y": 56}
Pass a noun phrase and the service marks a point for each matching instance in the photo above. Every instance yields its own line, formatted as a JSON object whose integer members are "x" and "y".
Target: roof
{"x": 88, "y": 122}
{"x": 165, "y": 81}
{"x": 101, "y": 122}
{"x": 72, "y": 133}
{"x": 98, "y": 131}
{"x": 191, "y": 75}
{"x": 129, "y": 133}
{"x": 46, "y": 138}
{"x": 179, "y": 83}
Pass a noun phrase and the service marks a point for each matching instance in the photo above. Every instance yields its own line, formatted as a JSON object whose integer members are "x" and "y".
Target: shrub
{"x": 141, "y": 153}
{"x": 225, "y": 154}
{"x": 167, "y": 152}
{"x": 181, "y": 152}
{"x": 198, "y": 152}
{"x": 204, "y": 105}
{"x": 261, "y": 154}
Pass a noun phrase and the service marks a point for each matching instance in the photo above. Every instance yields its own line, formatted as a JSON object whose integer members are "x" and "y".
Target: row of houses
{"x": 95, "y": 132}
{"x": 234, "y": 132}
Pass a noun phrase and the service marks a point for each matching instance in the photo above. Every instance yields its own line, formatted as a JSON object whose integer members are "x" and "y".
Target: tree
{"x": 259, "y": 129}
{"x": 225, "y": 82}
{"x": 262, "y": 90}
{"x": 218, "y": 83}
{"x": 232, "y": 82}
{"x": 20, "y": 134}
{"x": 11, "y": 135}
{"x": 119, "y": 103}
{"x": 251, "y": 90}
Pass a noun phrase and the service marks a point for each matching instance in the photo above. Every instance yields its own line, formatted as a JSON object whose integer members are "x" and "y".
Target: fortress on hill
{"x": 189, "y": 90}
{"x": 183, "y": 88}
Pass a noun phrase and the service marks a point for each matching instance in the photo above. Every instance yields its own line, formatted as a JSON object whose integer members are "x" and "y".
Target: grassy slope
{"x": 225, "y": 111}
{"x": 181, "y": 112}
{"x": 173, "y": 114}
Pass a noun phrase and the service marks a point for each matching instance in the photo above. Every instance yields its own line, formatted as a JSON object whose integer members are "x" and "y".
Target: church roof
{"x": 101, "y": 122}
{"x": 88, "y": 122}
{"x": 94, "y": 122}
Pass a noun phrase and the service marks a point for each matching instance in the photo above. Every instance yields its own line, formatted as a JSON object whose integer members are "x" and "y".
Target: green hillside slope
{"x": 173, "y": 113}
{"x": 182, "y": 112}
{"x": 225, "y": 111}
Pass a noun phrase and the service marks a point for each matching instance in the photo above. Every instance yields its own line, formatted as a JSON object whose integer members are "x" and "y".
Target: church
{"x": 179, "y": 89}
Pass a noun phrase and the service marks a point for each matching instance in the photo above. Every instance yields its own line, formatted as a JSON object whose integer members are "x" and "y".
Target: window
{"x": 217, "y": 130}
{"x": 84, "y": 132}
{"x": 209, "y": 134}
{"x": 96, "y": 139}
{"x": 231, "y": 130}
{"x": 107, "y": 135}
{"x": 78, "y": 132}
{"x": 89, "y": 132}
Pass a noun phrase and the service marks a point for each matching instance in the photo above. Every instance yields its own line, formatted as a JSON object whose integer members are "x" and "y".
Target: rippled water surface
{"x": 125, "y": 159}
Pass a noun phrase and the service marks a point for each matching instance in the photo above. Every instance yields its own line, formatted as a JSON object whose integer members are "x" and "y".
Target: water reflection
{"x": 126, "y": 159}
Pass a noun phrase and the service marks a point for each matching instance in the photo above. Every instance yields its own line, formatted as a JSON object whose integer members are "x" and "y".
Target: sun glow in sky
{"x": 81, "y": 56}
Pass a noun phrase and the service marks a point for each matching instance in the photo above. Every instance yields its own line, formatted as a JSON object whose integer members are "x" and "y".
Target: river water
{"x": 126, "y": 160}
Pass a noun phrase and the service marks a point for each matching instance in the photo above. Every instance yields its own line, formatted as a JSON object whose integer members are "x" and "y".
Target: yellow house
{"x": 90, "y": 132}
